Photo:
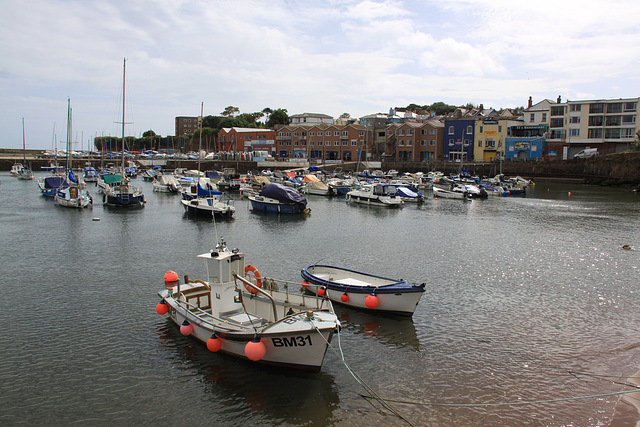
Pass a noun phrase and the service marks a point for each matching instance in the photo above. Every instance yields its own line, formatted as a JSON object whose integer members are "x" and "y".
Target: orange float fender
{"x": 250, "y": 270}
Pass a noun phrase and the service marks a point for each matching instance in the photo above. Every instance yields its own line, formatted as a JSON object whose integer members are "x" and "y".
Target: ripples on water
{"x": 526, "y": 297}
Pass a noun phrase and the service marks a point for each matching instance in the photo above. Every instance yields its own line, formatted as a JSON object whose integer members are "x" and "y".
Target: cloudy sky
{"x": 323, "y": 56}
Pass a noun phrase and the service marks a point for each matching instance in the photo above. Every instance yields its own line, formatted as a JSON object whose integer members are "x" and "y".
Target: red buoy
{"x": 255, "y": 349}
{"x": 162, "y": 308}
{"x": 321, "y": 292}
{"x": 305, "y": 284}
{"x": 186, "y": 328}
{"x": 214, "y": 343}
{"x": 344, "y": 297}
{"x": 170, "y": 276}
{"x": 371, "y": 301}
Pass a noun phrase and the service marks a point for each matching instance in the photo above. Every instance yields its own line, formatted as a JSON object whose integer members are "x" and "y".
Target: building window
{"x": 409, "y": 131}
{"x": 312, "y": 133}
{"x": 532, "y": 117}
{"x": 345, "y": 142}
{"x": 336, "y": 133}
{"x": 401, "y": 143}
{"x": 311, "y": 143}
{"x": 576, "y": 107}
{"x": 432, "y": 142}
{"x": 354, "y": 142}
{"x": 451, "y": 132}
{"x": 574, "y": 132}
{"x": 336, "y": 143}
{"x": 451, "y": 143}
{"x": 490, "y": 143}
{"x": 630, "y": 106}
{"x": 469, "y": 130}
{"x": 480, "y": 130}
{"x": 499, "y": 129}
{"x": 432, "y": 131}
{"x": 628, "y": 119}
{"x": 544, "y": 117}
{"x": 423, "y": 131}
{"x": 575, "y": 119}
{"x": 596, "y": 108}
{"x": 401, "y": 132}
{"x": 409, "y": 143}
{"x": 327, "y": 143}
{"x": 327, "y": 133}
{"x": 423, "y": 143}
{"x": 614, "y": 108}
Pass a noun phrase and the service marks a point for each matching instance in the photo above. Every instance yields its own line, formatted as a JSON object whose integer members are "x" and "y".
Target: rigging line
{"x": 528, "y": 402}
{"x": 604, "y": 378}
{"x": 358, "y": 379}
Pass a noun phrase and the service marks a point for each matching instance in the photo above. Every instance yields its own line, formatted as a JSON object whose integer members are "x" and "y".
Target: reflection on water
{"x": 521, "y": 294}
{"x": 247, "y": 392}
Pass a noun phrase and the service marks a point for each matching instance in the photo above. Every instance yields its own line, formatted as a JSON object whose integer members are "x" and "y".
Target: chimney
{"x": 530, "y": 102}
{"x": 559, "y": 99}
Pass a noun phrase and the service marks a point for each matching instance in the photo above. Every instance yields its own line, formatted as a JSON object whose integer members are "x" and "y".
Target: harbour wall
{"x": 618, "y": 169}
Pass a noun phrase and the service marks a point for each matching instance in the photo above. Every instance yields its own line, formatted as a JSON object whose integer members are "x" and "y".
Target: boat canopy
{"x": 72, "y": 177}
{"x": 311, "y": 178}
{"x": 112, "y": 179}
{"x": 405, "y": 192}
{"x": 55, "y": 182}
{"x": 205, "y": 193}
{"x": 282, "y": 194}
{"x": 212, "y": 174}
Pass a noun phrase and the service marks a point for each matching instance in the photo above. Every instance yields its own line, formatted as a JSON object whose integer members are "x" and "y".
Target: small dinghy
{"x": 362, "y": 290}
{"x": 249, "y": 319}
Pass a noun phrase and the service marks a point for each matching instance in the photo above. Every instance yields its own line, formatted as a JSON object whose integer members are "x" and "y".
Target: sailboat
{"x": 24, "y": 172}
{"x": 207, "y": 202}
{"x": 122, "y": 193}
{"x": 74, "y": 195}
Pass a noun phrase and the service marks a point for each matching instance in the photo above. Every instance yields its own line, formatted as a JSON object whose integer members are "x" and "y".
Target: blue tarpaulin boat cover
{"x": 204, "y": 193}
{"x": 212, "y": 174}
{"x": 55, "y": 182}
{"x": 405, "y": 192}
{"x": 72, "y": 178}
{"x": 282, "y": 194}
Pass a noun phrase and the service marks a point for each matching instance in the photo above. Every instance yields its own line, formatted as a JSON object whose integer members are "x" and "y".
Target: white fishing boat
{"x": 377, "y": 194}
{"x": 246, "y": 318}
{"x": 363, "y": 290}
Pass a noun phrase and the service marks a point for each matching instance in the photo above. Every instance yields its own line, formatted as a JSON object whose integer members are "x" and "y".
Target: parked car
{"x": 587, "y": 152}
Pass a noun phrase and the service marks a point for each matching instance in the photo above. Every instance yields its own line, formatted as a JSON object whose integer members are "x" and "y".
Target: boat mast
{"x": 124, "y": 69}
{"x": 200, "y": 143}
{"x": 68, "y": 134}
{"x": 24, "y": 146}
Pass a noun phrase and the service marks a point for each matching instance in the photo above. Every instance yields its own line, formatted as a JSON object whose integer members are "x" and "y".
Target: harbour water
{"x": 530, "y": 314}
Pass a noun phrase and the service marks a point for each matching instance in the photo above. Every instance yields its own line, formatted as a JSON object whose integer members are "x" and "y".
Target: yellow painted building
{"x": 490, "y": 139}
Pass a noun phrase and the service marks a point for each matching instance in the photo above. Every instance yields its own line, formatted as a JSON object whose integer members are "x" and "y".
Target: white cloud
{"x": 328, "y": 56}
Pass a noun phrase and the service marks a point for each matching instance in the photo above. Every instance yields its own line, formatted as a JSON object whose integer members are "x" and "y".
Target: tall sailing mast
{"x": 124, "y": 70}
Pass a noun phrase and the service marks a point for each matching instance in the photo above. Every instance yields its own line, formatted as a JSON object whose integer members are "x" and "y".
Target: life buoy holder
{"x": 249, "y": 272}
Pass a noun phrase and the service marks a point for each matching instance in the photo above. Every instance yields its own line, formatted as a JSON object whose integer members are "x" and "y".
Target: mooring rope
{"x": 358, "y": 379}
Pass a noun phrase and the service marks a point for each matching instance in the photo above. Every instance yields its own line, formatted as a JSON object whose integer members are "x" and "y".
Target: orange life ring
{"x": 249, "y": 271}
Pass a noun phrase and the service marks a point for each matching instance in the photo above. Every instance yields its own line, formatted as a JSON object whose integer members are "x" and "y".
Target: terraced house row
{"x": 546, "y": 130}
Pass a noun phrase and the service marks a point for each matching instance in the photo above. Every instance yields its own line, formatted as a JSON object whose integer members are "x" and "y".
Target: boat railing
{"x": 260, "y": 291}
{"x": 202, "y": 315}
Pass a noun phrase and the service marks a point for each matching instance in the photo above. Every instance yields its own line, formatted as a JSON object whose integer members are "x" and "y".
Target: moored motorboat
{"x": 277, "y": 198}
{"x": 378, "y": 194}
{"x": 363, "y": 290}
{"x": 243, "y": 318}
{"x": 51, "y": 184}
{"x": 209, "y": 206}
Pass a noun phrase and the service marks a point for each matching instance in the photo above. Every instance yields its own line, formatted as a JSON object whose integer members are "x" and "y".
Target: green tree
{"x": 148, "y": 133}
{"x": 230, "y": 111}
{"x": 278, "y": 117}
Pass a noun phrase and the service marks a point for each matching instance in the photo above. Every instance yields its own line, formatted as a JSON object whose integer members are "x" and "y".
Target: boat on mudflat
{"x": 363, "y": 290}
{"x": 238, "y": 312}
